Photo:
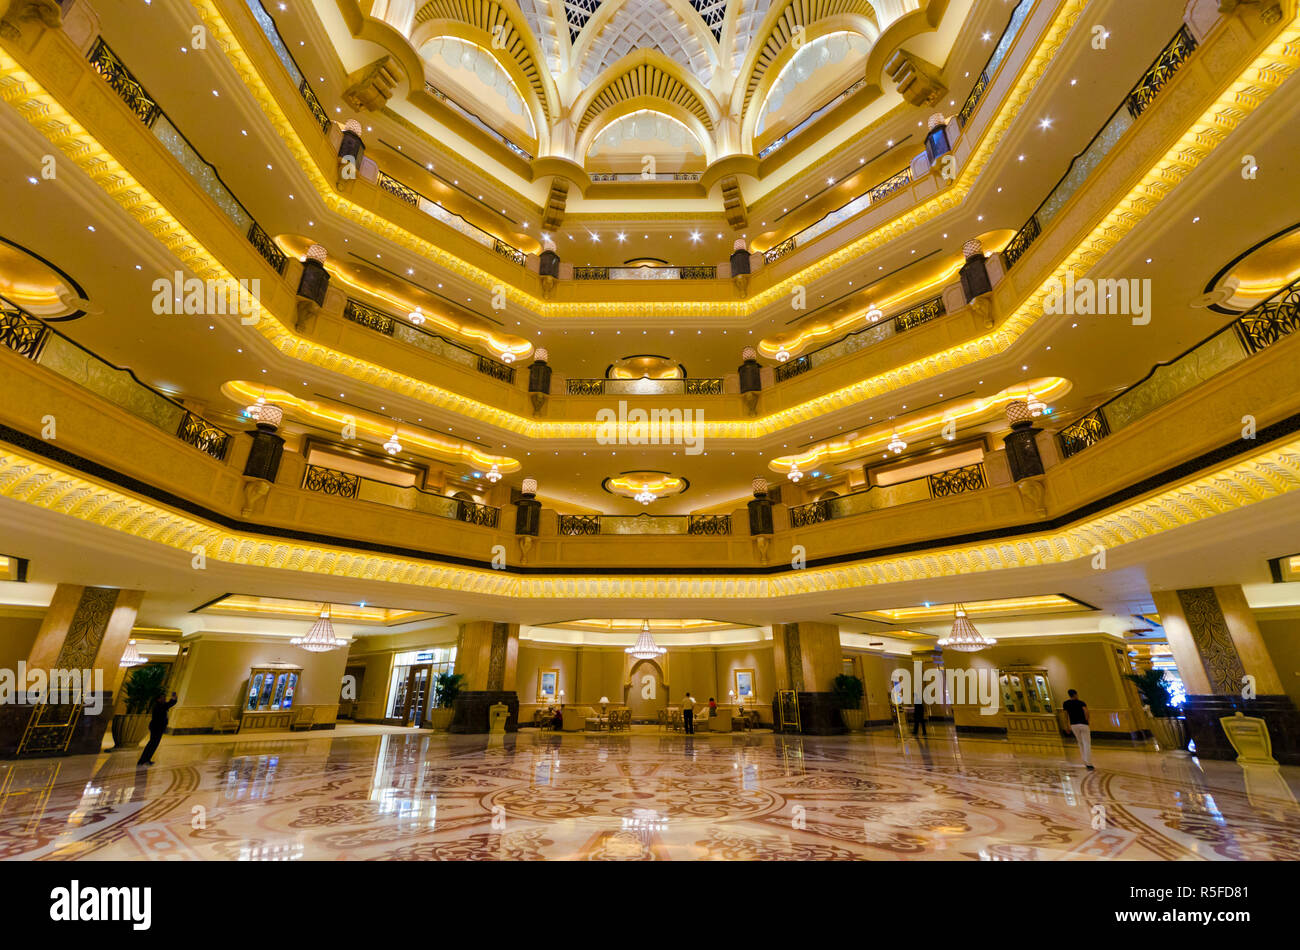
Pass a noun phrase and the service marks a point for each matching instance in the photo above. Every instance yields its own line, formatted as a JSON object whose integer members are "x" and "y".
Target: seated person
{"x": 713, "y": 707}
{"x": 557, "y": 718}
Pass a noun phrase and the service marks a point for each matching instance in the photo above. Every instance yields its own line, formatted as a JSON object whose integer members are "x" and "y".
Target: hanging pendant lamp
{"x": 645, "y": 647}
{"x": 964, "y": 637}
{"x": 320, "y": 638}
{"x": 131, "y": 657}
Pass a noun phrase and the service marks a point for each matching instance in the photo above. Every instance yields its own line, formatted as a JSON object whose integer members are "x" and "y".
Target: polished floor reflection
{"x": 369, "y": 794}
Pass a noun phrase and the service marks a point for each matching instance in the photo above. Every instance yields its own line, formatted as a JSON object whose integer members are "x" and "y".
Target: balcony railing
{"x": 329, "y": 481}
{"x": 1144, "y": 92}
{"x": 475, "y": 120}
{"x": 957, "y": 481}
{"x": 873, "y": 196}
{"x": 272, "y": 33}
{"x": 644, "y": 523}
{"x": 644, "y": 387}
{"x": 388, "y": 325}
{"x": 681, "y": 272}
{"x": 995, "y": 60}
{"x": 408, "y": 195}
{"x": 643, "y": 176}
{"x": 1255, "y": 330}
{"x": 859, "y": 339}
{"x": 146, "y": 109}
{"x": 810, "y": 118}
{"x": 30, "y": 337}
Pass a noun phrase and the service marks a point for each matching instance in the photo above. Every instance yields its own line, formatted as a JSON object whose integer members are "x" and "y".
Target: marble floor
{"x": 362, "y": 793}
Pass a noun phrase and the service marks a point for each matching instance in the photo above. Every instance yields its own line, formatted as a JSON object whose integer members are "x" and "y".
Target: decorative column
{"x": 539, "y": 380}
{"x": 807, "y": 657}
{"x": 751, "y": 379}
{"x": 486, "y": 655}
{"x": 312, "y": 285}
{"x": 1217, "y": 645}
{"x": 84, "y": 633}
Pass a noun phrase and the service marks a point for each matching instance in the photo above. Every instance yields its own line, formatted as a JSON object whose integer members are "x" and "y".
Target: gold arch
{"x": 507, "y": 38}
{"x": 645, "y": 73}
{"x": 437, "y": 29}
{"x": 652, "y": 104}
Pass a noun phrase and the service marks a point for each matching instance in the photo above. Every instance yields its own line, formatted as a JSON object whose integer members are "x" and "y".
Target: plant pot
{"x": 129, "y": 730}
{"x": 440, "y": 719}
{"x": 853, "y": 719}
{"x": 1249, "y": 738}
{"x": 1171, "y": 734}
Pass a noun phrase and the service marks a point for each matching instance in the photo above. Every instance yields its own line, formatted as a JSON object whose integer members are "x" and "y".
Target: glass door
{"x": 416, "y": 694}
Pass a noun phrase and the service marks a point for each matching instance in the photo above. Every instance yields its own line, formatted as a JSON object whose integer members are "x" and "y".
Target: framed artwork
{"x": 744, "y": 680}
{"x": 548, "y": 685}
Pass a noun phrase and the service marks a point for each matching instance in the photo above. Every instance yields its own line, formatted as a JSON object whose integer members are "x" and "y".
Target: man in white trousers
{"x": 1077, "y": 710}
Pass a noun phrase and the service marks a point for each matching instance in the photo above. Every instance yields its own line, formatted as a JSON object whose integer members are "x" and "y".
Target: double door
{"x": 412, "y": 704}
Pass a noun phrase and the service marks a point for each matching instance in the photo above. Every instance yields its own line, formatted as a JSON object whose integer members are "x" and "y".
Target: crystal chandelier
{"x": 132, "y": 656}
{"x": 416, "y": 316}
{"x": 645, "y": 647}
{"x": 392, "y": 446}
{"x": 507, "y": 357}
{"x": 264, "y": 414}
{"x": 320, "y": 638}
{"x": 1036, "y": 406}
{"x": 782, "y": 354}
{"x": 874, "y": 314}
{"x": 896, "y": 445}
{"x": 494, "y": 473}
{"x": 964, "y": 636}
{"x": 645, "y": 496}
{"x": 794, "y": 474}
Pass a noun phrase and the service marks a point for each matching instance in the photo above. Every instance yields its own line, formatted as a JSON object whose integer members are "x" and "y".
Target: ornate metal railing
{"x": 115, "y": 73}
{"x": 263, "y": 244}
{"x": 814, "y": 513}
{"x": 1159, "y": 73}
{"x": 317, "y": 110}
{"x": 1267, "y": 322}
{"x": 703, "y": 387}
{"x": 296, "y": 75}
{"x": 709, "y": 524}
{"x": 641, "y": 176}
{"x": 792, "y": 368}
{"x": 395, "y": 188}
{"x": 958, "y": 481}
{"x": 21, "y": 332}
{"x": 591, "y": 273}
{"x": 476, "y": 120}
{"x": 512, "y": 254}
{"x": 784, "y": 249}
{"x": 995, "y": 60}
{"x": 1084, "y": 432}
{"x": 575, "y": 525}
{"x": 585, "y": 387}
{"x": 472, "y": 512}
{"x": 1020, "y": 243}
{"x": 921, "y": 313}
{"x": 697, "y": 272}
{"x": 890, "y": 185}
{"x": 328, "y": 481}
{"x": 368, "y": 317}
{"x": 203, "y": 435}
{"x": 498, "y": 371}
{"x": 973, "y": 100}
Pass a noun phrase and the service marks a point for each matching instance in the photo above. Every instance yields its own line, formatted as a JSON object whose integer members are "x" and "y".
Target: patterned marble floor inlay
{"x": 372, "y": 794}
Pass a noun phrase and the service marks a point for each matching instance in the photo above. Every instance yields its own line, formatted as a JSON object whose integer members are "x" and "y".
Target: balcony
{"x": 957, "y": 481}
{"x": 644, "y": 523}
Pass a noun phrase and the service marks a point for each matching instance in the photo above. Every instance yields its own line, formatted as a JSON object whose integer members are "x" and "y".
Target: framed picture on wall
{"x": 548, "y": 685}
{"x": 744, "y": 680}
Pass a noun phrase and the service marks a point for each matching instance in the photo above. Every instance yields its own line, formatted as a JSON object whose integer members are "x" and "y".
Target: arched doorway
{"x": 644, "y": 692}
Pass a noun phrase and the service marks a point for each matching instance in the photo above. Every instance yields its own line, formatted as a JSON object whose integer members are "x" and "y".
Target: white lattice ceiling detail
{"x": 748, "y": 21}
{"x": 647, "y": 24}
{"x": 537, "y": 13}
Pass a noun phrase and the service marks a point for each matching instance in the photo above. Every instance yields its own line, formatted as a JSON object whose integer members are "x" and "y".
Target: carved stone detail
{"x": 370, "y": 87}
{"x": 1209, "y": 631}
{"x": 918, "y": 81}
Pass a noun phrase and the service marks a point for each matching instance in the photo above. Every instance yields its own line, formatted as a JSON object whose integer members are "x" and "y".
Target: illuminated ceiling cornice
{"x": 1004, "y": 607}
{"x": 1268, "y": 474}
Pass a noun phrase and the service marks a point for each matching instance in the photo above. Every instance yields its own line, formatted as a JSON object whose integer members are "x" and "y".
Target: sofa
{"x": 575, "y": 718}
{"x": 720, "y": 721}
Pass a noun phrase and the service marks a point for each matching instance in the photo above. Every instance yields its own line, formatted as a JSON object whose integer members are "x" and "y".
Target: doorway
{"x": 645, "y": 691}
{"x": 411, "y": 704}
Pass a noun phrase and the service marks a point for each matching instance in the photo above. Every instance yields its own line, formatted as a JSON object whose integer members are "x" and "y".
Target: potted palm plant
{"x": 847, "y": 690}
{"x": 1170, "y": 730}
{"x": 142, "y": 687}
{"x": 445, "y": 690}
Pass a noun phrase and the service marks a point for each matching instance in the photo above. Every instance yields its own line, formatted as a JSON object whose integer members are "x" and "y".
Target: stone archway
{"x": 646, "y": 691}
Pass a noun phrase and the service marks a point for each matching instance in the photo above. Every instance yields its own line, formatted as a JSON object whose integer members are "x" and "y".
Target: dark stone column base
{"x": 1204, "y": 712}
{"x": 471, "y": 710}
{"x": 85, "y": 737}
{"x": 818, "y": 715}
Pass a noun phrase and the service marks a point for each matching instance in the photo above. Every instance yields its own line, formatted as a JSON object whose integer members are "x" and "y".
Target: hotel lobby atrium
{"x": 650, "y": 430}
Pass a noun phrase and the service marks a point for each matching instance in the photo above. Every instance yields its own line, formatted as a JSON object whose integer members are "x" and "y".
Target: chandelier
{"x": 416, "y": 316}
{"x": 874, "y": 314}
{"x": 392, "y": 446}
{"x": 507, "y": 357}
{"x": 132, "y": 656}
{"x": 320, "y": 638}
{"x": 896, "y": 445}
{"x": 794, "y": 474}
{"x": 1036, "y": 406}
{"x": 782, "y": 354}
{"x": 264, "y": 414}
{"x": 645, "y": 496}
{"x": 964, "y": 636}
{"x": 645, "y": 647}
{"x": 494, "y": 473}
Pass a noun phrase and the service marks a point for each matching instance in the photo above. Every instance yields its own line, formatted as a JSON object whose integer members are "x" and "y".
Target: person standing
{"x": 157, "y": 726}
{"x": 1080, "y": 725}
{"x": 918, "y": 718}
{"x": 688, "y": 715}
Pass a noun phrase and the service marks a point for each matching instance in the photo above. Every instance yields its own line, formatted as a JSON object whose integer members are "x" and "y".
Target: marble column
{"x": 807, "y": 658}
{"x": 1226, "y": 668}
{"x": 85, "y": 631}
{"x": 486, "y": 655}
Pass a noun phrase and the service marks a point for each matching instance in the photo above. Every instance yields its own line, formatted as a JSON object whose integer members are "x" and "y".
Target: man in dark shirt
{"x": 1077, "y": 710}
{"x": 157, "y": 726}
